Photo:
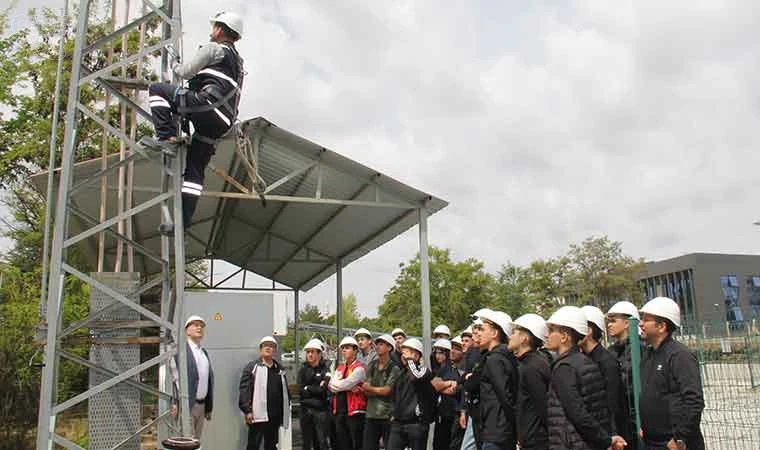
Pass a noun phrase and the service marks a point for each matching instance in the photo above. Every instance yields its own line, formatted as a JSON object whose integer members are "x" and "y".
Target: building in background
{"x": 708, "y": 286}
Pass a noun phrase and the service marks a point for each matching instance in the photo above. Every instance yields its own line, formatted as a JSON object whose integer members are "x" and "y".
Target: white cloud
{"x": 541, "y": 122}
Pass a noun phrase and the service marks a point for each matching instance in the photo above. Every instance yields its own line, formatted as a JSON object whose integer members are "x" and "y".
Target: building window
{"x": 753, "y": 292}
{"x": 730, "y": 286}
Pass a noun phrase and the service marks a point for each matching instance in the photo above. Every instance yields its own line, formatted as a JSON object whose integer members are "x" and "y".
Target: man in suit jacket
{"x": 200, "y": 376}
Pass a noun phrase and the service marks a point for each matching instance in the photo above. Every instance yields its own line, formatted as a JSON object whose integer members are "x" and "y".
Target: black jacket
{"x": 671, "y": 395}
{"x": 192, "y": 380}
{"x": 222, "y": 81}
{"x": 310, "y": 378}
{"x": 470, "y": 358}
{"x": 535, "y": 375}
{"x": 626, "y": 425}
{"x": 447, "y": 404}
{"x": 414, "y": 396}
{"x": 498, "y": 397}
{"x": 610, "y": 369}
{"x": 577, "y": 416}
{"x": 245, "y": 390}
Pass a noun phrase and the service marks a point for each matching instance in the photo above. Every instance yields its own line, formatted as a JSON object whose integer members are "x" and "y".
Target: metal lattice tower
{"x": 118, "y": 81}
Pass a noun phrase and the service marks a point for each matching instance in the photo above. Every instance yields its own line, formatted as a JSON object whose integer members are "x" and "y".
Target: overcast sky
{"x": 542, "y": 123}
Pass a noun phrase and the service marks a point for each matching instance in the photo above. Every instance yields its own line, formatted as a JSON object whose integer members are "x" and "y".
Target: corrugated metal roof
{"x": 295, "y": 242}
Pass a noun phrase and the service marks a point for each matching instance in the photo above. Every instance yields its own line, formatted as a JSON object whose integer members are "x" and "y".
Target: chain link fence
{"x": 729, "y": 358}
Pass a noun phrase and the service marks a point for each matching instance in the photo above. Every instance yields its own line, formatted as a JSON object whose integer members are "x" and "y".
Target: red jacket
{"x": 357, "y": 402}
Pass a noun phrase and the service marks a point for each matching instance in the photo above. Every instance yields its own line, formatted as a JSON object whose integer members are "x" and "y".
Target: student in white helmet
{"x": 398, "y": 335}
{"x": 577, "y": 413}
{"x": 366, "y": 353}
{"x": 413, "y": 400}
{"x": 591, "y": 345}
{"x": 215, "y": 79}
{"x": 496, "y": 380}
{"x": 313, "y": 378}
{"x": 264, "y": 398}
{"x": 445, "y": 382}
{"x": 671, "y": 399}
{"x": 349, "y": 403}
{"x": 440, "y": 332}
{"x": 528, "y": 334}
{"x": 382, "y": 374}
{"x": 457, "y": 358}
{"x": 618, "y": 332}
{"x": 469, "y": 414}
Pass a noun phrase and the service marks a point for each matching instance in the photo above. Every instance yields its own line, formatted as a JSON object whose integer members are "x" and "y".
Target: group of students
{"x": 502, "y": 384}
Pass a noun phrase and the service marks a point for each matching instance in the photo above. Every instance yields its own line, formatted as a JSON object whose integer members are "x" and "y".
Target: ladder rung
{"x": 129, "y": 83}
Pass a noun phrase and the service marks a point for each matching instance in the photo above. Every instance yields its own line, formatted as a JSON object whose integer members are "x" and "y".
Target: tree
{"x": 310, "y": 314}
{"x": 350, "y": 310}
{"x": 457, "y": 289}
{"x": 601, "y": 274}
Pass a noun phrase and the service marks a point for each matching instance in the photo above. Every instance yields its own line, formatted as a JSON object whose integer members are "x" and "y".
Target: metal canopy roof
{"x": 319, "y": 208}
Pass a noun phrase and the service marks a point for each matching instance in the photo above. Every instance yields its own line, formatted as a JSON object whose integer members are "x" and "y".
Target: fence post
{"x": 633, "y": 336}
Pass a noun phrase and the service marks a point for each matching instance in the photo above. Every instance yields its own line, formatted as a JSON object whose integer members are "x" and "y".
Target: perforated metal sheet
{"x": 115, "y": 414}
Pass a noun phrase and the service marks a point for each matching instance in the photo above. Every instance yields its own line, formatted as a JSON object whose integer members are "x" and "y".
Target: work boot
{"x": 167, "y": 146}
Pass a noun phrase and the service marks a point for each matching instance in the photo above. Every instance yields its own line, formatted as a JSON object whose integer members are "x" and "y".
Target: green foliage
{"x": 593, "y": 272}
{"x": 350, "y": 310}
{"x": 28, "y": 66}
{"x": 456, "y": 290}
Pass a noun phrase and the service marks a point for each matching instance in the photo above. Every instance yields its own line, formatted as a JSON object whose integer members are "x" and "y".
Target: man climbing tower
{"x": 215, "y": 78}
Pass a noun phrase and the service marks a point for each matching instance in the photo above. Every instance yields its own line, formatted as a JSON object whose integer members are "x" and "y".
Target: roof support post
{"x": 424, "y": 279}
{"x": 295, "y": 326}
{"x": 339, "y": 304}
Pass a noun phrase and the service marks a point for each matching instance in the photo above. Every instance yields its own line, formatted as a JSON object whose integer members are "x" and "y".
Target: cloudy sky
{"x": 542, "y": 123}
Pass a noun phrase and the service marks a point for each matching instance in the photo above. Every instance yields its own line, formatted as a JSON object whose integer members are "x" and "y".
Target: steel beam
{"x": 321, "y": 226}
{"x": 424, "y": 279}
{"x": 339, "y": 305}
{"x": 117, "y": 296}
{"x": 308, "y": 200}
{"x": 111, "y": 382}
{"x": 46, "y": 420}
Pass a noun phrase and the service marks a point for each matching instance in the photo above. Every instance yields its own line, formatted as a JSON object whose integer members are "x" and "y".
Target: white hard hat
{"x": 663, "y": 307}
{"x": 457, "y": 340}
{"x": 266, "y": 339}
{"x": 314, "y": 344}
{"x": 467, "y": 331}
{"x": 414, "y": 344}
{"x": 192, "y": 319}
{"x": 571, "y": 317}
{"x": 442, "y": 329}
{"x": 624, "y": 308}
{"x": 594, "y": 315}
{"x": 480, "y": 312}
{"x": 348, "y": 340}
{"x": 231, "y": 19}
{"x": 385, "y": 338}
{"x": 533, "y": 323}
{"x": 443, "y": 343}
{"x": 362, "y": 332}
{"x": 398, "y": 331}
{"x": 501, "y": 319}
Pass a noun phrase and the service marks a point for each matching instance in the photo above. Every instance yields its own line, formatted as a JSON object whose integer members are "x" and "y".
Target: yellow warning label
{"x": 218, "y": 316}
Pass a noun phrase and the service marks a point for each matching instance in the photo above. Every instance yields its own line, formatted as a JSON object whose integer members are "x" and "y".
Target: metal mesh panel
{"x": 729, "y": 357}
{"x": 115, "y": 414}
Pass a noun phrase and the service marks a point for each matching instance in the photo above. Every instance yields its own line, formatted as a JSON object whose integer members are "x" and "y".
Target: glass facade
{"x": 753, "y": 295}
{"x": 676, "y": 285}
{"x": 730, "y": 286}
